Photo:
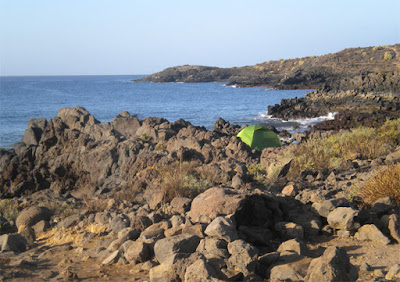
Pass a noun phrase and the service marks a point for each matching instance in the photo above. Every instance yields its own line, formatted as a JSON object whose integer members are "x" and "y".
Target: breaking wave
{"x": 293, "y": 125}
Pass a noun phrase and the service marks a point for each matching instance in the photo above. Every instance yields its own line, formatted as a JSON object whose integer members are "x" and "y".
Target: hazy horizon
{"x": 52, "y": 38}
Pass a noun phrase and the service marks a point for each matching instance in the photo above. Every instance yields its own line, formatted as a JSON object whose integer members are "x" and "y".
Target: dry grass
{"x": 61, "y": 209}
{"x": 94, "y": 205}
{"x": 334, "y": 151}
{"x": 182, "y": 180}
{"x": 384, "y": 183}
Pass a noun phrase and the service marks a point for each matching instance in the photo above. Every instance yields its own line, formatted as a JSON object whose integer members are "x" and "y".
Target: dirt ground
{"x": 49, "y": 260}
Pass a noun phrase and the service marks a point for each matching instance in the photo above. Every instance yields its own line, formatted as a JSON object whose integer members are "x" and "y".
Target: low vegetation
{"x": 335, "y": 151}
{"x": 8, "y": 209}
{"x": 186, "y": 179}
{"x": 384, "y": 183}
{"x": 61, "y": 209}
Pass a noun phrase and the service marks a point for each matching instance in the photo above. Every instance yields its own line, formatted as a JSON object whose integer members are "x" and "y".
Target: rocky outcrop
{"x": 75, "y": 151}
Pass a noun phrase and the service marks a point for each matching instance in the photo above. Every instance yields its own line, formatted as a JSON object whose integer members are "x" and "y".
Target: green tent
{"x": 259, "y": 137}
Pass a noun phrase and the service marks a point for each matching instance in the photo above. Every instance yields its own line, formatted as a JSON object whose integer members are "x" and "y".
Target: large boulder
{"x": 31, "y": 216}
{"x": 222, "y": 227}
{"x": 13, "y": 242}
{"x": 333, "y": 265}
{"x": 243, "y": 257}
{"x": 166, "y": 248}
{"x": 343, "y": 218}
{"x": 200, "y": 270}
{"x": 215, "y": 202}
{"x": 138, "y": 252}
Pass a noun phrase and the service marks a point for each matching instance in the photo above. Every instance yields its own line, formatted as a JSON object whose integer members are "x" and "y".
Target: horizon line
{"x": 38, "y": 75}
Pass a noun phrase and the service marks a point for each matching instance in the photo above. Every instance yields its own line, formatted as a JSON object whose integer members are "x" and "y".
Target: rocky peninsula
{"x": 354, "y": 82}
{"x": 153, "y": 200}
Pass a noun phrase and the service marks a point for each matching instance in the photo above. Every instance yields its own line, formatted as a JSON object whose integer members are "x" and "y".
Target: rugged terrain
{"x": 344, "y": 70}
{"x": 152, "y": 200}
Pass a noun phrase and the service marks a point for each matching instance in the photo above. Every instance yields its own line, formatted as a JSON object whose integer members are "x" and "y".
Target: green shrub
{"x": 384, "y": 183}
{"x": 145, "y": 137}
{"x": 387, "y": 56}
{"x": 390, "y": 132}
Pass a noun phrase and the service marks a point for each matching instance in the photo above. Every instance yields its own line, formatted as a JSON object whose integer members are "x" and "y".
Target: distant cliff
{"x": 350, "y": 69}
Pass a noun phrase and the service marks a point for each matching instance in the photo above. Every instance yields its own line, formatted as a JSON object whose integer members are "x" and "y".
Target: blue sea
{"x": 23, "y": 98}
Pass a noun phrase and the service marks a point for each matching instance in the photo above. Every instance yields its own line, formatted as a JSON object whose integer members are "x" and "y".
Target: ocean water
{"x": 23, "y": 98}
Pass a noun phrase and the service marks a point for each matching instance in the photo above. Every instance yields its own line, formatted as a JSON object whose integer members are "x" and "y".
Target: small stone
{"x": 113, "y": 258}
{"x": 372, "y": 233}
{"x": 382, "y": 205}
{"x": 243, "y": 256}
{"x": 222, "y": 228}
{"x": 393, "y": 273}
{"x": 289, "y": 190}
{"x": 294, "y": 245}
{"x": 379, "y": 273}
{"x": 365, "y": 266}
{"x": 167, "y": 247}
{"x": 180, "y": 205}
{"x": 13, "y": 242}
{"x": 268, "y": 259}
{"x": 69, "y": 275}
{"x": 28, "y": 233}
{"x": 394, "y": 227}
{"x": 343, "y": 218}
{"x": 333, "y": 265}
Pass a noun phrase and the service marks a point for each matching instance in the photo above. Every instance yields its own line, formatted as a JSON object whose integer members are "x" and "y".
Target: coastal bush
{"x": 182, "y": 180}
{"x": 390, "y": 132}
{"x": 384, "y": 183}
{"x": 8, "y": 209}
{"x": 334, "y": 151}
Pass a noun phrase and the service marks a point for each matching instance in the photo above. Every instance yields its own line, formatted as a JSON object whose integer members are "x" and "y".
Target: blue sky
{"x": 67, "y": 37}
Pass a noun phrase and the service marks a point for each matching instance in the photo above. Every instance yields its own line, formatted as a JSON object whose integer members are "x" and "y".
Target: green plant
{"x": 387, "y": 56}
{"x": 145, "y": 137}
{"x": 390, "y": 132}
{"x": 8, "y": 209}
{"x": 384, "y": 183}
{"x": 263, "y": 176}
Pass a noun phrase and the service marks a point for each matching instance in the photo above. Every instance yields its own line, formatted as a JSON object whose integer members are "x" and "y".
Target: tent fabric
{"x": 259, "y": 137}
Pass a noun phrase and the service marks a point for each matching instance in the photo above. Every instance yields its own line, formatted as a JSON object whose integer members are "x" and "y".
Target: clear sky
{"x": 67, "y": 37}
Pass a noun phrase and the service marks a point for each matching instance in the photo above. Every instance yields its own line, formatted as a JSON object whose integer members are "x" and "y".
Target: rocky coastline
{"x": 159, "y": 201}
{"x": 151, "y": 200}
{"x": 361, "y": 84}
